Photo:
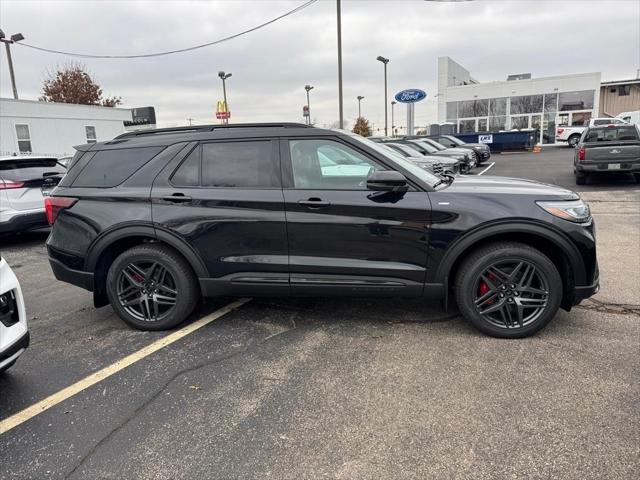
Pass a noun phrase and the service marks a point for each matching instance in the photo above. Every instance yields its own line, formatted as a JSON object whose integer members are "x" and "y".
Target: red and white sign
{"x": 223, "y": 115}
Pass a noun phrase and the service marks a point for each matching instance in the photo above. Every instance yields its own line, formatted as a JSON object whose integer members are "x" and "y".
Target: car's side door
{"x": 224, "y": 199}
{"x": 344, "y": 238}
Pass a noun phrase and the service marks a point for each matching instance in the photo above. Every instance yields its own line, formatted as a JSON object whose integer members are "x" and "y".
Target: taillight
{"x": 54, "y": 205}
{"x": 6, "y": 184}
{"x": 560, "y": 130}
{"x": 582, "y": 153}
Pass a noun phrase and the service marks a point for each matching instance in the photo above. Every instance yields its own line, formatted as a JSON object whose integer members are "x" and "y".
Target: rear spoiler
{"x": 84, "y": 148}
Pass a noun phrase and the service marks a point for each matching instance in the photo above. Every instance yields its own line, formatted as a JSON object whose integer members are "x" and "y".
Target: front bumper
{"x": 24, "y": 221}
{"x": 10, "y": 354}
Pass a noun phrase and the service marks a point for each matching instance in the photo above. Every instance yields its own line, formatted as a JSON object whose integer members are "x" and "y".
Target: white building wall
{"x": 55, "y": 128}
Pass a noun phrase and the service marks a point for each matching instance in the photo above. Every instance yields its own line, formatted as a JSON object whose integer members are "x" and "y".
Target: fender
{"x": 547, "y": 232}
{"x": 145, "y": 230}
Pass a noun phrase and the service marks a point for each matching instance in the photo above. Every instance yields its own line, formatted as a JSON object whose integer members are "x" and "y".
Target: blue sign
{"x": 410, "y": 95}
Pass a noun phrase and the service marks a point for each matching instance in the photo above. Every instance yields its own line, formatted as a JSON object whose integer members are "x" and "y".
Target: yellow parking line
{"x": 37, "y": 408}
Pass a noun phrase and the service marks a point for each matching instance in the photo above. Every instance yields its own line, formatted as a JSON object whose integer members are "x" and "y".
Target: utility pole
{"x": 340, "y": 107}
{"x": 308, "y": 88}
{"x": 223, "y": 76}
{"x": 189, "y": 120}
{"x": 14, "y": 38}
{"x": 385, "y": 61}
{"x": 393, "y": 123}
{"x": 359, "y": 97}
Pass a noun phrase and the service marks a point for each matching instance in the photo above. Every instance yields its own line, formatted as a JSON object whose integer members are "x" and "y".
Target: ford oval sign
{"x": 411, "y": 95}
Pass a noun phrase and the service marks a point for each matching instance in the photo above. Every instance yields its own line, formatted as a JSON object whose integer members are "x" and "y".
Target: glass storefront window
{"x": 497, "y": 123}
{"x": 481, "y": 108}
{"x": 549, "y": 128}
{"x": 526, "y": 104}
{"x": 467, "y": 126}
{"x": 550, "y": 102}
{"x": 520, "y": 122}
{"x": 581, "y": 100}
{"x": 580, "y": 119}
{"x": 466, "y": 109}
{"x": 452, "y": 110}
{"x": 498, "y": 106}
{"x": 482, "y": 124}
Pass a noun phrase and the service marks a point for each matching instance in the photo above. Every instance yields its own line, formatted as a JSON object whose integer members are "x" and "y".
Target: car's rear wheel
{"x": 573, "y": 140}
{"x": 508, "y": 290}
{"x": 151, "y": 287}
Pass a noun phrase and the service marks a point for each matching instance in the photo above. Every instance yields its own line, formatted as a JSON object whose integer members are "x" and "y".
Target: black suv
{"x": 153, "y": 220}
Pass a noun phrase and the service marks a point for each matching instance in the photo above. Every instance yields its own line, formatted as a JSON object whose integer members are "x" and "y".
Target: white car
{"x": 23, "y": 182}
{"x": 572, "y": 135}
{"x": 14, "y": 333}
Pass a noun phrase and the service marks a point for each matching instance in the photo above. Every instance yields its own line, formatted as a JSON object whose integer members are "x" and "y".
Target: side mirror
{"x": 387, "y": 181}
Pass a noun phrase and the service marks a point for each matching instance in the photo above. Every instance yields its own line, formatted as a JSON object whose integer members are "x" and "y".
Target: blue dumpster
{"x": 518, "y": 140}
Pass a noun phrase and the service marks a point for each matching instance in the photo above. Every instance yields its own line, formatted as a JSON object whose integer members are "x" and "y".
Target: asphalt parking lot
{"x": 338, "y": 388}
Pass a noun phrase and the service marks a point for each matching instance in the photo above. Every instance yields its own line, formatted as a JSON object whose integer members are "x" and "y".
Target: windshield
{"x": 398, "y": 159}
{"x": 29, "y": 169}
{"x": 435, "y": 144}
{"x": 424, "y": 147}
{"x": 454, "y": 140}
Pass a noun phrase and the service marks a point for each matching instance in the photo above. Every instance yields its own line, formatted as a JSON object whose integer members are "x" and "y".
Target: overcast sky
{"x": 270, "y": 67}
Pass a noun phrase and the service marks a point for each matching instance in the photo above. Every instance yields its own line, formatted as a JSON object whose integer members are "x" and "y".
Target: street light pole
{"x": 385, "y": 61}
{"x": 307, "y": 88}
{"x": 14, "y": 38}
{"x": 359, "y": 97}
{"x": 393, "y": 123}
{"x": 223, "y": 76}
{"x": 340, "y": 106}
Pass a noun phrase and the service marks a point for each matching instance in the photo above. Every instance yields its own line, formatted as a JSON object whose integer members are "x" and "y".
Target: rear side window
{"x": 617, "y": 134}
{"x": 25, "y": 170}
{"x": 230, "y": 165}
{"x": 109, "y": 168}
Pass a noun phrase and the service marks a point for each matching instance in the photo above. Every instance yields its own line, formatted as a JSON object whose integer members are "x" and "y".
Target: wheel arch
{"x": 551, "y": 243}
{"x": 112, "y": 243}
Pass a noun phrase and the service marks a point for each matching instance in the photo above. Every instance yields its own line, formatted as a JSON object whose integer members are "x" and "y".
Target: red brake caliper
{"x": 484, "y": 288}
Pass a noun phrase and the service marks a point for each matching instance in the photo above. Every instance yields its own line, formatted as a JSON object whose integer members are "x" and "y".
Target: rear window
{"x": 109, "y": 168}
{"x": 24, "y": 170}
{"x": 612, "y": 134}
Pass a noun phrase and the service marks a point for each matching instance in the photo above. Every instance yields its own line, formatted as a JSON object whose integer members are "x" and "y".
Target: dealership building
{"x": 519, "y": 102}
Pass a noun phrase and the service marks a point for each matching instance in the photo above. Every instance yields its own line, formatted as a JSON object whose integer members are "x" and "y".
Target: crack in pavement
{"x": 140, "y": 409}
{"x": 608, "y": 307}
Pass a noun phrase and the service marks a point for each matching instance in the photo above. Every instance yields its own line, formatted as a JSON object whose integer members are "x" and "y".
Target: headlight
{"x": 573, "y": 210}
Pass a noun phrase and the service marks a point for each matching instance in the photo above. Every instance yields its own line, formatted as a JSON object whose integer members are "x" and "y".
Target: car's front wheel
{"x": 508, "y": 290}
{"x": 151, "y": 287}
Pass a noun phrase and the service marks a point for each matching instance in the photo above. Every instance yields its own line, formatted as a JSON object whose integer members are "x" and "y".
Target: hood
{"x": 458, "y": 150}
{"x": 441, "y": 159}
{"x": 515, "y": 186}
{"x": 483, "y": 146}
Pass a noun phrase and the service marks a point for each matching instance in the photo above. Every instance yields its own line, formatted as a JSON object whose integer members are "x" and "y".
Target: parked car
{"x": 64, "y": 161}
{"x": 608, "y": 149}
{"x": 572, "y": 135}
{"x": 630, "y": 117}
{"x": 435, "y": 164}
{"x": 23, "y": 181}
{"x": 14, "y": 333}
{"x": 482, "y": 149}
{"x": 464, "y": 156}
{"x": 155, "y": 219}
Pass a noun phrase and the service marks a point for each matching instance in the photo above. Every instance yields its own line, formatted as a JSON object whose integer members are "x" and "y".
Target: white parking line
{"x": 487, "y": 168}
{"x": 52, "y": 400}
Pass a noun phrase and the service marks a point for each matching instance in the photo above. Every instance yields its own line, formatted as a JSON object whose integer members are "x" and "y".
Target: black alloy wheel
{"x": 508, "y": 289}
{"x": 511, "y": 294}
{"x": 147, "y": 291}
{"x": 152, "y": 287}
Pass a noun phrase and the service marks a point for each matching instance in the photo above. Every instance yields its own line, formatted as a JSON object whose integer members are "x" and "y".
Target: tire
{"x": 537, "y": 294}
{"x": 573, "y": 140}
{"x": 581, "y": 178}
{"x": 151, "y": 287}
{"x": 7, "y": 367}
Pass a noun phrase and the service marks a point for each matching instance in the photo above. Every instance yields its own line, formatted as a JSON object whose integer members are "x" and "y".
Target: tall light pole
{"x": 385, "y": 61}
{"x": 307, "y": 88}
{"x": 359, "y": 97}
{"x": 223, "y": 76}
{"x": 14, "y": 38}
{"x": 393, "y": 123}
{"x": 340, "y": 106}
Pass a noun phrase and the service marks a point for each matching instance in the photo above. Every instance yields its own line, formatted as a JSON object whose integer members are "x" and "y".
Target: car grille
{"x": 8, "y": 309}
{"x": 437, "y": 168}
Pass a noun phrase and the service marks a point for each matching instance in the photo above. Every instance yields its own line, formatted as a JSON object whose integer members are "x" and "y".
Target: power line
{"x": 181, "y": 50}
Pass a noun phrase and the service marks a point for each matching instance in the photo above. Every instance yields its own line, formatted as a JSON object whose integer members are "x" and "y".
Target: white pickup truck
{"x": 572, "y": 135}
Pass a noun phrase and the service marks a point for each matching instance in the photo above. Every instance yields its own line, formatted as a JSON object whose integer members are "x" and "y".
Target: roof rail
{"x": 210, "y": 128}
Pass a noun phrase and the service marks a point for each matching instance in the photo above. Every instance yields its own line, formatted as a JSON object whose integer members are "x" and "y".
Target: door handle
{"x": 177, "y": 198}
{"x": 313, "y": 203}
